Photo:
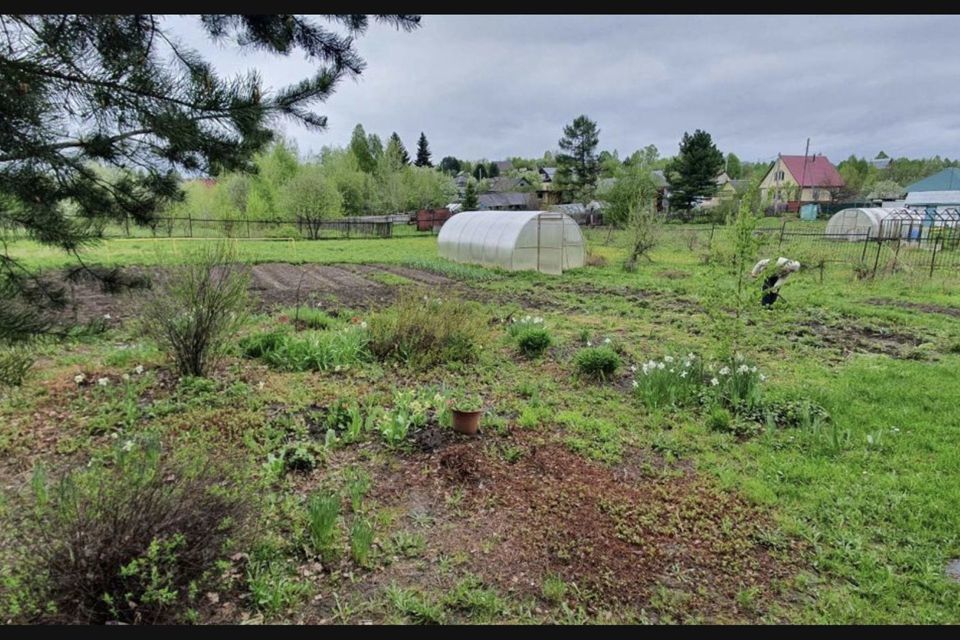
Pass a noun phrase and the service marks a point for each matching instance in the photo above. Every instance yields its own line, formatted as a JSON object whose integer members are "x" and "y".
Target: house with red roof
{"x": 793, "y": 180}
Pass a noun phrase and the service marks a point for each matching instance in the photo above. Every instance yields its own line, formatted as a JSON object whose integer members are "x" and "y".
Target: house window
{"x": 816, "y": 194}
{"x": 779, "y": 175}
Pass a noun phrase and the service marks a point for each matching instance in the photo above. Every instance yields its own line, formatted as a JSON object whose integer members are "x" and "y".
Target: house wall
{"x": 725, "y": 192}
{"x": 787, "y": 187}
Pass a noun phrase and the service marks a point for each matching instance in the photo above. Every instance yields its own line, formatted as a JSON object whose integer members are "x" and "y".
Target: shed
{"x": 543, "y": 241}
{"x": 431, "y": 219}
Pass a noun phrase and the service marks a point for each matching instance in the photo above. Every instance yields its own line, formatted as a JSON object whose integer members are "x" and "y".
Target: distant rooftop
{"x": 818, "y": 172}
{"x": 946, "y": 180}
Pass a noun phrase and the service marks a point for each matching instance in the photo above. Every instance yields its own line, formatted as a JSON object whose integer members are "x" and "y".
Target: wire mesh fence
{"x": 911, "y": 247}
{"x": 299, "y": 229}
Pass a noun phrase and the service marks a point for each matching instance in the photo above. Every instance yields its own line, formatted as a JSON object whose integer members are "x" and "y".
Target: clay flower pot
{"x": 466, "y": 421}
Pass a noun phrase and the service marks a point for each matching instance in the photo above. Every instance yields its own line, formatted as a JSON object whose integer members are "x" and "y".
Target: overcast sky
{"x": 498, "y": 86}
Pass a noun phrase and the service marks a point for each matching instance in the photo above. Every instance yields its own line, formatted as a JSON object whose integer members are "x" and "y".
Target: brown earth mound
{"x": 551, "y": 512}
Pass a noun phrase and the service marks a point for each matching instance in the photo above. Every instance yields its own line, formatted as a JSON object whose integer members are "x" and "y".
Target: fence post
{"x": 863, "y": 256}
{"x": 783, "y": 229}
{"x": 248, "y": 228}
{"x": 713, "y": 226}
{"x": 876, "y": 262}
{"x": 189, "y": 225}
{"x": 933, "y": 258}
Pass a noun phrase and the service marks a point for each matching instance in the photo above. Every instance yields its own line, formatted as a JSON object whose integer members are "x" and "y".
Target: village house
{"x": 548, "y": 193}
{"x": 726, "y": 190}
{"x": 506, "y": 201}
{"x": 503, "y": 184}
{"x": 793, "y": 180}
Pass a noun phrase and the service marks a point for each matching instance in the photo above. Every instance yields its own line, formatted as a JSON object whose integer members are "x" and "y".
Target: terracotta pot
{"x": 466, "y": 421}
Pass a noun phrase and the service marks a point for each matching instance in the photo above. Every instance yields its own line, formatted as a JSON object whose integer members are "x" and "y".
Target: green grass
{"x": 871, "y": 494}
{"x": 163, "y": 250}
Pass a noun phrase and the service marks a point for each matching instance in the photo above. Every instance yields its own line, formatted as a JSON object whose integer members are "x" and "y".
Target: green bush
{"x": 424, "y": 332}
{"x": 130, "y": 538}
{"x": 599, "y": 363}
{"x": 299, "y": 456}
{"x": 720, "y": 420}
{"x": 531, "y": 337}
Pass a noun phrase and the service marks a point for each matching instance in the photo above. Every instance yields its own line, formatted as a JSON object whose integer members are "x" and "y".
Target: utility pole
{"x": 803, "y": 175}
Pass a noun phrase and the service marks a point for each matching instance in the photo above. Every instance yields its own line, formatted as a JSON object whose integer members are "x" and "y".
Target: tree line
{"x": 865, "y": 180}
{"x": 364, "y": 178}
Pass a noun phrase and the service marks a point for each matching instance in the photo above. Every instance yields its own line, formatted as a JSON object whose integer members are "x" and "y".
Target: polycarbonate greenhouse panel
{"x": 514, "y": 240}
{"x": 856, "y": 223}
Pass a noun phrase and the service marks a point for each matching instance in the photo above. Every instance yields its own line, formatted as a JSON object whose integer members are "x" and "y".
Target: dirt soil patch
{"x": 272, "y": 285}
{"x": 545, "y": 297}
{"x": 675, "y": 545}
{"x": 916, "y": 306}
{"x": 849, "y": 338}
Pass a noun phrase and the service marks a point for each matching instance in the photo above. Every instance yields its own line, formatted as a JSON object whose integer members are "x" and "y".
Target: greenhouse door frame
{"x": 558, "y": 217}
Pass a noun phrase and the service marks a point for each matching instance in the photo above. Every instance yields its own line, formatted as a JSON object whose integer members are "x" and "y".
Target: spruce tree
{"x": 578, "y": 166}
{"x": 122, "y": 91}
{"x": 450, "y": 165}
{"x": 470, "y": 199}
{"x": 423, "y": 152}
{"x": 360, "y": 147}
{"x": 401, "y": 150}
{"x": 692, "y": 174}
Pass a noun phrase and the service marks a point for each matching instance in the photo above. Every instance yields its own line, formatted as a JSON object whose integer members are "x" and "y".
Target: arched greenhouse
{"x": 909, "y": 223}
{"x": 542, "y": 241}
{"x": 855, "y": 224}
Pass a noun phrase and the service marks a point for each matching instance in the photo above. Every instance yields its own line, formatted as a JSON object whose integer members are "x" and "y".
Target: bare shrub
{"x": 196, "y": 308}
{"x": 644, "y": 233}
{"x": 595, "y": 259}
{"x": 132, "y": 540}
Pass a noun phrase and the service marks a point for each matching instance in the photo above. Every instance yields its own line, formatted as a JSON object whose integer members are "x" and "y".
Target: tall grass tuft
{"x": 323, "y": 512}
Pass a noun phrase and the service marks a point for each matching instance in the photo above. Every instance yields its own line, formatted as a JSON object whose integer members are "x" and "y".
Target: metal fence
{"x": 306, "y": 229}
{"x": 922, "y": 251}
{"x": 926, "y": 250}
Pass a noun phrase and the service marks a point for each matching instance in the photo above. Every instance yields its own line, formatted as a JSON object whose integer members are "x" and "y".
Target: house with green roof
{"x": 940, "y": 189}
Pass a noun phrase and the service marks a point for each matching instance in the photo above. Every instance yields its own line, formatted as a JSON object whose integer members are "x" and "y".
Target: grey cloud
{"x": 493, "y": 86}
